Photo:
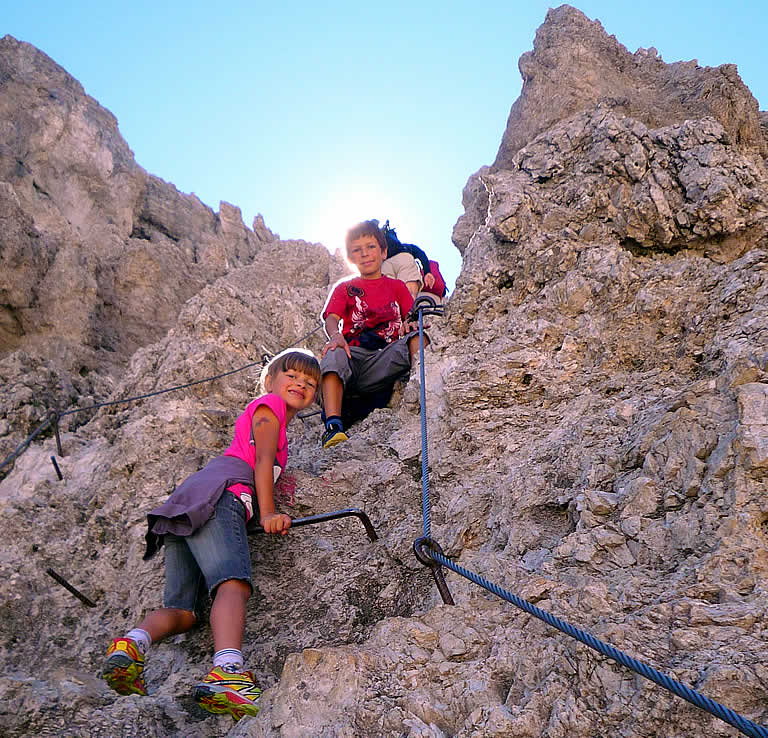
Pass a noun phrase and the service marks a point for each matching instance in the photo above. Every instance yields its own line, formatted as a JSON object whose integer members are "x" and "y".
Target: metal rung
{"x": 335, "y": 515}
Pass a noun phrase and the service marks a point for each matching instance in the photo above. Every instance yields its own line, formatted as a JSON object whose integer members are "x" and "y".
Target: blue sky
{"x": 320, "y": 115}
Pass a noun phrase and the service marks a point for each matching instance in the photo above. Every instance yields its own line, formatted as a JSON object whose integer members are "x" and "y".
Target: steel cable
{"x": 25, "y": 444}
{"x": 425, "y": 502}
{"x": 681, "y": 690}
{"x": 745, "y": 726}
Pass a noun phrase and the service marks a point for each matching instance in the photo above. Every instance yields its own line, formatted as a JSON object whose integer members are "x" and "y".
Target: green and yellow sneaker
{"x": 124, "y": 668}
{"x": 222, "y": 691}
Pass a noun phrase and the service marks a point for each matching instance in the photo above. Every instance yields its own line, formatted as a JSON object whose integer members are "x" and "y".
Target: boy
{"x": 370, "y": 345}
{"x": 434, "y": 283}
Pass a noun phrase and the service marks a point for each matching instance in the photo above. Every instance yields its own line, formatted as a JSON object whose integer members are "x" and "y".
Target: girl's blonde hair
{"x": 299, "y": 359}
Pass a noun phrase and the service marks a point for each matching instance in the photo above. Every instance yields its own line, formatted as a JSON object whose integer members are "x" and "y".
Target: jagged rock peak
{"x": 96, "y": 253}
{"x": 575, "y": 64}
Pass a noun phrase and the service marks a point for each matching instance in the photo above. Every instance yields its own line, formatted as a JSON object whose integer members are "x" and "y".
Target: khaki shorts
{"x": 402, "y": 266}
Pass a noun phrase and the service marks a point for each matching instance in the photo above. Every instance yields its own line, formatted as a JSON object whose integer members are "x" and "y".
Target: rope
{"x": 681, "y": 690}
{"x": 55, "y": 415}
{"x": 160, "y": 392}
{"x": 425, "y": 497}
{"x": 19, "y": 450}
{"x": 430, "y": 550}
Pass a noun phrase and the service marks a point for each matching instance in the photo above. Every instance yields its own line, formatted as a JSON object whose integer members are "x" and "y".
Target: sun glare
{"x": 342, "y": 211}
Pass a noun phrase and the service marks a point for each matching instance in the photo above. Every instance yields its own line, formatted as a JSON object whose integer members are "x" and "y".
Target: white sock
{"x": 142, "y": 638}
{"x": 229, "y": 659}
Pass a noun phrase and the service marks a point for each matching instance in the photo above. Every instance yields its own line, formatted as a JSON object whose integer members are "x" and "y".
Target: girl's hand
{"x": 276, "y": 523}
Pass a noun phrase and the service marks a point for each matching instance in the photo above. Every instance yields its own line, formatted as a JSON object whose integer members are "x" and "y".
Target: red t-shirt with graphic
{"x": 379, "y": 305}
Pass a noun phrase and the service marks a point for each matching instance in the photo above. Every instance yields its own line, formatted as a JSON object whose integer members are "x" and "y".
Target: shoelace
{"x": 233, "y": 668}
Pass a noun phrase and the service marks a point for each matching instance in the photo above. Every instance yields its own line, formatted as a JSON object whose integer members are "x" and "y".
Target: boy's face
{"x": 366, "y": 254}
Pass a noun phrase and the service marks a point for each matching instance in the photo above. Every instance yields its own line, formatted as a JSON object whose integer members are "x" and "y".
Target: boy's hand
{"x": 335, "y": 342}
{"x": 411, "y": 325}
{"x": 275, "y": 523}
{"x": 429, "y": 280}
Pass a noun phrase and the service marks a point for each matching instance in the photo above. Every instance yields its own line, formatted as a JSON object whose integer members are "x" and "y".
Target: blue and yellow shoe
{"x": 332, "y": 436}
{"x": 222, "y": 692}
{"x": 124, "y": 668}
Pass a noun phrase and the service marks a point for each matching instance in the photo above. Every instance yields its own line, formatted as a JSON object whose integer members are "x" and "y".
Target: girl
{"x": 203, "y": 525}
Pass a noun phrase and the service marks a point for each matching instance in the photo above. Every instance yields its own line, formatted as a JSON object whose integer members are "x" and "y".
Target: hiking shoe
{"x": 228, "y": 692}
{"x": 123, "y": 670}
{"x": 333, "y": 436}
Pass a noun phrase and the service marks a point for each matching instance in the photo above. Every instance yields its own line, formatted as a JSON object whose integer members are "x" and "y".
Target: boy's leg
{"x": 337, "y": 371}
{"x": 333, "y": 391}
{"x": 384, "y": 367}
{"x": 404, "y": 267}
{"x": 412, "y": 340}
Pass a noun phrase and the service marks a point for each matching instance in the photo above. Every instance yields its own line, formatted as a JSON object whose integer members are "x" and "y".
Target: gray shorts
{"x": 369, "y": 370}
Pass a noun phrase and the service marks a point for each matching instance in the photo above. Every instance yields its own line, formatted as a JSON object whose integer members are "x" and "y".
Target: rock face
{"x": 97, "y": 255}
{"x": 597, "y": 403}
{"x": 575, "y": 64}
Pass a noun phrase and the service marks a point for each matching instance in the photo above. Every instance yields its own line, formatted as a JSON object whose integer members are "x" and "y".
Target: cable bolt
{"x": 421, "y": 547}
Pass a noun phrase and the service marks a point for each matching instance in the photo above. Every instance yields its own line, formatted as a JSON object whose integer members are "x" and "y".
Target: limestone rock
{"x": 575, "y": 64}
{"x": 596, "y": 407}
{"x": 97, "y": 257}
{"x": 94, "y": 251}
{"x": 647, "y": 188}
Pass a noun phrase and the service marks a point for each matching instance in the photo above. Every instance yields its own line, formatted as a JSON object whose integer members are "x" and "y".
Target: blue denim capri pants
{"x": 213, "y": 554}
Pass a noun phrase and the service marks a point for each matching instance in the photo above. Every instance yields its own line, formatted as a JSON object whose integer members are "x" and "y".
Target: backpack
{"x": 395, "y": 246}
{"x": 438, "y": 288}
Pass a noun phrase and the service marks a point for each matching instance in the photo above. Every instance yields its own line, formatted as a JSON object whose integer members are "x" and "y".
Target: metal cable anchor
{"x": 76, "y": 592}
{"x": 421, "y": 547}
{"x": 56, "y": 468}
{"x": 426, "y": 305}
{"x": 53, "y": 418}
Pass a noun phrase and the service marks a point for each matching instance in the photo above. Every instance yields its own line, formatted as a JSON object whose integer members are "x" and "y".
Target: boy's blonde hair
{"x": 366, "y": 228}
{"x": 299, "y": 359}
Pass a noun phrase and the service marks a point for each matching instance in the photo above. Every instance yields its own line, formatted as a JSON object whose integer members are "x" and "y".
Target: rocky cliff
{"x": 597, "y": 400}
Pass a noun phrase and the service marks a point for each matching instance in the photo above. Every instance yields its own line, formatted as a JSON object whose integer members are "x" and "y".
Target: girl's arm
{"x": 266, "y": 430}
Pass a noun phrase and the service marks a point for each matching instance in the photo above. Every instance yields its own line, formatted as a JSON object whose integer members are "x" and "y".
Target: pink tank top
{"x": 242, "y": 446}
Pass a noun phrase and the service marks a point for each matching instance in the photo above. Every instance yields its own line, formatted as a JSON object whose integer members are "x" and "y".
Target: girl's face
{"x": 294, "y": 386}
